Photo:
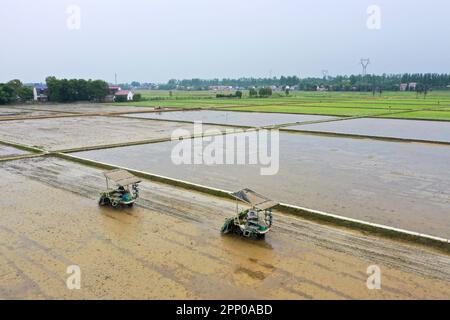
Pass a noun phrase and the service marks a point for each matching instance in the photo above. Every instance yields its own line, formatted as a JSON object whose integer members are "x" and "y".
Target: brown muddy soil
{"x": 75, "y": 132}
{"x": 170, "y": 247}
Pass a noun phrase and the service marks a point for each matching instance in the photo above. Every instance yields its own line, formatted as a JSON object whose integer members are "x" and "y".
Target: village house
{"x": 221, "y": 88}
{"x": 114, "y": 89}
{"x": 408, "y": 86}
{"x": 112, "y": 92}
{"x": 124, "y": 95}
{"x": 40, "y": 93}
{"x": 275, "y": 88}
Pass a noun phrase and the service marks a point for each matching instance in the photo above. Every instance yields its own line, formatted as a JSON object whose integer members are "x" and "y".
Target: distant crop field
{"x": 436, "y": 105}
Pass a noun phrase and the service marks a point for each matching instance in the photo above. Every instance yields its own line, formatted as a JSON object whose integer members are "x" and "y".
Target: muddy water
{"x": 4, "y": 112}
{"x": 7, "y": 151}
{"x": 396, "y": 184}
{"x": 84, "y": 108}
{"x": 169, "y": 247}
{"x": 65, "y": 133}
{"x": 406, "y": 129}
{"x": 20, "y": 111}
{"x": 251, "y": 119}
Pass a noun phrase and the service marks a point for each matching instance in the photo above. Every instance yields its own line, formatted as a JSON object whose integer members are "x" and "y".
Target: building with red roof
{"x": 124, "y": 95}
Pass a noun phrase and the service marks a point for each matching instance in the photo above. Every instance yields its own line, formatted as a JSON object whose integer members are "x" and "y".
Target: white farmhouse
{"x": 129, "y": 95}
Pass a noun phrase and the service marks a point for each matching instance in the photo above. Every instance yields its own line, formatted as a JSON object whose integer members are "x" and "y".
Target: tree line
{"x": 58, "y": 90}
{"x": 387, "y": 82}
{"x": 424, "y": 81}
{"x": 13, "y": 91}
{"x": 245, "y": 83}
{"x": 72, "y": 90}
{"x": 64, "y": 90}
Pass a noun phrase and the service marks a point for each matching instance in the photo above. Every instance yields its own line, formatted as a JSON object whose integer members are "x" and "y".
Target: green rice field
{"x": 400, "y": 105}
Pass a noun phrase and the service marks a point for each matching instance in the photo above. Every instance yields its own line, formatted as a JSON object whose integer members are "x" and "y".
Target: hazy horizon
{"x": 154, "y": 41}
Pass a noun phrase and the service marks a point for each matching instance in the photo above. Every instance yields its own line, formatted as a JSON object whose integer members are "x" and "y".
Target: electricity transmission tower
{"x": 325, "y": 74}
{"x": 365, "y": 63}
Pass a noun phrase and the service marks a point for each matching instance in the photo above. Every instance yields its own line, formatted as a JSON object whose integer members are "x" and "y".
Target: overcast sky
{"x": 155, "y": 40}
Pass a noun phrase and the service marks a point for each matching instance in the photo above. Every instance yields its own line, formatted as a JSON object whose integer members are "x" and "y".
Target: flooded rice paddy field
{"x": 403, "y": 185}
{"x": 391, "y": 128}
{"x": 7, "y": 151}
{"x": 253, "y": 119}
{"x": 84, "y": 108}
{"x": 169, "y": 247}
{"x": 25, "y": 111}
{"x": 74, "y": 132}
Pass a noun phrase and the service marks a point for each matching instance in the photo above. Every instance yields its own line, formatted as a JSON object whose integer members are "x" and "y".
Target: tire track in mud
{"x": 201, "y": 209}
{"x": 89, "y": 183}
{"x": 28, "y": 285}
{"x": 393, "y": 254}
{"x": 50, "y": 173}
